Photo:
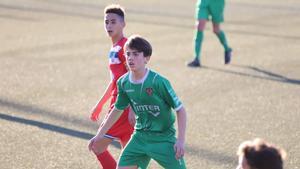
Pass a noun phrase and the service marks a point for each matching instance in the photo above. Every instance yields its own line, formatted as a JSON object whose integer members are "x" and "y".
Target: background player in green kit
{"x": 205, "y": 9}
{"x": 152, "y": 98}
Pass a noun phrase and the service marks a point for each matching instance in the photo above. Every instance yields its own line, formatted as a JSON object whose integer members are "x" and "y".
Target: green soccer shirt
{"x": 152, "y": 100}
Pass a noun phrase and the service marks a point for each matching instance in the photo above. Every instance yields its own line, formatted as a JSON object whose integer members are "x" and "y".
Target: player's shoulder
{"x": 123, "y": 79}
{"x": 157, "y": 78}
{"x": 122, "y": 41}
{"x": 120, "y": 44}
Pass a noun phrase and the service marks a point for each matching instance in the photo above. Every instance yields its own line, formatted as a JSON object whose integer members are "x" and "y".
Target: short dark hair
{"x": 116, "y": 9}
{"x": 262, "y": 155}
{"x": 140, "y": 44}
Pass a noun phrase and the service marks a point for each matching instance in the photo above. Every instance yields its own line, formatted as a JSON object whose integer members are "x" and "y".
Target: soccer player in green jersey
{"x": 204, "y": 10}
{"x": 153, "y": 100}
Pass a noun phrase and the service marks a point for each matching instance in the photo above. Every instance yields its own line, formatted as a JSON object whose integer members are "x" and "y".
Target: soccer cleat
{"x": 194, "y": 63}
{"x": 227, "y": 56}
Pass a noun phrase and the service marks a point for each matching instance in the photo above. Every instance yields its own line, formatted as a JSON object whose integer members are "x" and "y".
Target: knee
{"x": 95, "y": 150}
{"x": 98, "y": 149}
{"x": 216, "y": 31}
{"x": 200, "y": 24}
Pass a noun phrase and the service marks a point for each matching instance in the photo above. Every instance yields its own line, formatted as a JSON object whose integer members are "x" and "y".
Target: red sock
{"x": 107, "y": 161}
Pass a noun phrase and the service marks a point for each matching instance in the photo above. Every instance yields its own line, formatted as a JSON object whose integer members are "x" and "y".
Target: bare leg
{"x": 101, "y": 145}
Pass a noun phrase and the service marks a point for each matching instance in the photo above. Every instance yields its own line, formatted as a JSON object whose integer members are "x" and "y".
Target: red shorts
{"x": 122, "y": 129}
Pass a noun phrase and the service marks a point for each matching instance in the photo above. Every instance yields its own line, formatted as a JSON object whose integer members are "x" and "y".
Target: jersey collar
{"x": 138, "y": 81}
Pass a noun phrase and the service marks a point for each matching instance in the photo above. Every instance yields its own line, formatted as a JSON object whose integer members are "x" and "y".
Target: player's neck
{"x": 117, "y": 38}
{"x": 139, "y": 74}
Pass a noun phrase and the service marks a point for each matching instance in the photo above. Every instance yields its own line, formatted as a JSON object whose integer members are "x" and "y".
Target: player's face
{"x": 114, "y": 24}
{"x": 135, "y": 60}
{"x": 243, "y": 163}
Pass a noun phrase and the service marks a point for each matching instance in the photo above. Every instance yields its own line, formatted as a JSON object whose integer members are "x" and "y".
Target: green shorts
{"x": 210, "y": 8}
{"x": 142, "y": 147}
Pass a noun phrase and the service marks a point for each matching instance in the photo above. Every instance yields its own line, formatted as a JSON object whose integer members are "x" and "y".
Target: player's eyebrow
{"x": 111, "y": 19}
{"x": 133, "y": 52}
{"x": 137, "y": 52}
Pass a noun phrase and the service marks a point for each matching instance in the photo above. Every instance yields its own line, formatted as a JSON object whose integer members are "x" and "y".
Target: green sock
{"x": 198, "y": 43}
{"x": 222, "y": 38}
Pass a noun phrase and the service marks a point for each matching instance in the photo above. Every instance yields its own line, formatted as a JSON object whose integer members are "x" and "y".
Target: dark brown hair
{"x": 261, "y": 155}
{"x": 116, "y": 9}
{"x": 140, "y": 44}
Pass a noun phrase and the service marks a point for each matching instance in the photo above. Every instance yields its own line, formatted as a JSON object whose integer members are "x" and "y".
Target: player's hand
{"x": 95, "y": 113}
{"x": 94, "y": 116}
{"x": 131, "y": 117}
{"x": 179, "y": 149}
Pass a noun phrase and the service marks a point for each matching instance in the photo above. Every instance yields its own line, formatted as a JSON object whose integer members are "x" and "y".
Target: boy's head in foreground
{"x": 114, "y": 20}
{"x": 137, "y": 51}
{"x": 258, "y": 154}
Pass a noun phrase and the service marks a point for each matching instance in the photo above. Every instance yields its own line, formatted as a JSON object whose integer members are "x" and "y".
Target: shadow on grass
{"x": 54, "y": 128}
{"x": 216, "y": 157}
{"x": 266, "y": 75}
{"x": 32, "y": 109}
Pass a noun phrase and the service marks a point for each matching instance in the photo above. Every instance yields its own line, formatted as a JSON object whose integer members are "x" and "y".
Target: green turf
{"x": 53, "y": 68}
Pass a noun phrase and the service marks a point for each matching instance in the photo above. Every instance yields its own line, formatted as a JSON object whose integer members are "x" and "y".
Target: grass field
{"x": 53, "y": 68}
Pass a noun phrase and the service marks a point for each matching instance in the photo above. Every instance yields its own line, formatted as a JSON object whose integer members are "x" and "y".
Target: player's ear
{"x": 147, "y": 59}
{"x": 123, "y": 24}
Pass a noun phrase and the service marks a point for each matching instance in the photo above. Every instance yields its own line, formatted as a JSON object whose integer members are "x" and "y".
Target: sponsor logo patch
{"x": 149, "y": 91}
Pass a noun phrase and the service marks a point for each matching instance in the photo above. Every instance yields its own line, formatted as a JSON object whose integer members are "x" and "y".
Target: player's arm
{"x": 170, "y": 97}
{"x": 121, "y": 103}
{"x": 181, "y": 121}
{"x": 98, "y": 107}
{"x": 106, "y": 125}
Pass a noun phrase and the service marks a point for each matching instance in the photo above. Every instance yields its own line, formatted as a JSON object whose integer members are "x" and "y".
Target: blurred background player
{"x": 114, "y": 24}
{"x": 258, "y": 154}
{"x": 204, "y": 10}
{"x": 152, "y": 98}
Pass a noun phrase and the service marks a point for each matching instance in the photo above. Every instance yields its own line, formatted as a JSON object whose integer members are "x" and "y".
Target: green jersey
{"x": 152, "y": 99}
